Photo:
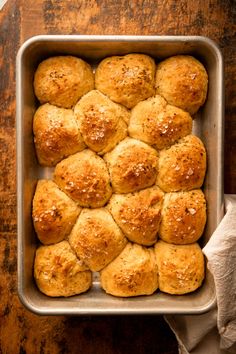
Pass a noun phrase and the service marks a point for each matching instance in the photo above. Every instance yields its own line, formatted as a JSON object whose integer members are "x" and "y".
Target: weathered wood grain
{"x": 21, "y": 331}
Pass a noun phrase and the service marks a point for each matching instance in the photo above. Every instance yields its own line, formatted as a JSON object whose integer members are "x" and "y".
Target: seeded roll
{"x": 157, "y": 123}
{"x": 62, "y": 80}
{"x": 84, "y": 177}
{"x": 182, "y": 80}
{"x": 96, "y": 238}
{"x": 56, "y": 134}
{"x": 180, "y": 267}
{"x": 132, "y": 166}
{"x": 101, "y": 121}
{"x": 54, "y": 213}
{"x": 132, "y": 273}
{"x": 126, "y": 79}
{"x": 58, "y": 272}
{"x": 183, "y": 217}
{"x": 182, "y": 166}
{"x": 138, "y": 214}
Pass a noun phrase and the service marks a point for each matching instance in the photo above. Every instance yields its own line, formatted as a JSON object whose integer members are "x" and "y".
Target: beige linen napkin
{"x": 215, "y": 331}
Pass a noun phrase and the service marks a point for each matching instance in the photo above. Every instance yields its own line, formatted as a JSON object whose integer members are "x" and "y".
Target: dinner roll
{"x": 62, "y": 80}
{"x": 157, "y": 123}
{"x": 96, "y": 238}
{"x": 132, "y": 165}
{"x": 126, "y": 79}
{"x": 182, "y": 166}
{"x": 56, "y": 134}
{"x": 182, "y": 80}
{"x": 138, "y": 214}
{"x": 101, "y": 121}
{"x": 54, "y": 213}
{"x": 132, "y": 273}
{"x": 180, "y": 267}
{"x": 183, "y": 217}
{"x": 84, "y": 177}
{"x": 58, "y": 272}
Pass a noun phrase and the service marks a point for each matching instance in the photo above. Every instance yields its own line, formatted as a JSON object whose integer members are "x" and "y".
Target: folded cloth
{"x": 214, "y": 332}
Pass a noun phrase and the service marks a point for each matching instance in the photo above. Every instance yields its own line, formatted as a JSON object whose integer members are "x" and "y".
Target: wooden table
{"x": 21, "y": 331}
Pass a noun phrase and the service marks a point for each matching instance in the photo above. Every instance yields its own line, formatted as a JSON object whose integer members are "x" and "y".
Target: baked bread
{"x": 101, "y": 121}
{"x": 180, "y": 267}
{"x": 132, "y": 273}
{"x": 84, "y": 177}
{"x": 138, "y": 214}
{"x": 96, "y": 238}
{"x": 62, "y": 80}
{"x": 182, "y": 80}
{"x": 182, "y": 166}
{"x": 132, "y": 166}
{"x": 183, "y": 217}
{"x": 54, "y": 213}
{"x": 56, "y": 134}
{"x": 58, "y": 272}
{"x": 157, "y": 123}
{"x": 126, "y": 79}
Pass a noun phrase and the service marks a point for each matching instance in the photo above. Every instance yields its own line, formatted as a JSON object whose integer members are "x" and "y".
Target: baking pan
{"x": 208, "y": 125}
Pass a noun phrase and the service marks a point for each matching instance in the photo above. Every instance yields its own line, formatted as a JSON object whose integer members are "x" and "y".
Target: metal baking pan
{"x": 208, "y": 125}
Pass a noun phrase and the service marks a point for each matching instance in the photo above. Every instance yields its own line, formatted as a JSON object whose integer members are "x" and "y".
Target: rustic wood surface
{"x": 23, "y": 332}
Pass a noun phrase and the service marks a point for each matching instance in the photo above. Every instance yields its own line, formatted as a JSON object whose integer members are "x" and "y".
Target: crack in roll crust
{"x": 157, "y": 123}
{"x": 54, "y": 213}
{"x": 96, "y": 238}
{"x": 101, "y": 121}
{"x": 182, "y": 166}
{"x": 138, "y": 214}
{"x": 132, "y": 273}
{"x": 126, "y": 79}
{"x": 56, "y": 134}
{"x": 182, "y": 80}
{"x": 84, "y": 177}
{"x": 180, "y": 267}
{"x": 58, "y": 272}
{"x": 62, "y": 80}
{"x": 132, "y": 166}
{"x": 183, "y": 217}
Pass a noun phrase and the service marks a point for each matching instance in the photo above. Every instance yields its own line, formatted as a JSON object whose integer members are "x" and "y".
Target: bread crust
{"x": 180, "y": 267}
{"x": 96, "y": 238}
{"x": 183, "y": 81}
{"x": 132, "y": 273}
{"x": 101, "y": 121}
{"x": 138, "y": 214}
{"x": 126, "y": 79}
{"x": 84, "y": 177}
{"x": 58, "y": 272}
{"x": 56, "y": 134}
{"x": 132, "y": 166}
{"x": 54, "y": 213}
{"x": 62, "y": 80}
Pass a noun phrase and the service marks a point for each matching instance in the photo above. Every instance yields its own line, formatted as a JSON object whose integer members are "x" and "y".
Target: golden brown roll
{"x": 62, "y": 80}
{"x": 180, "y": 267}
{"x": 56, "y": 134}
{"x": 183, "y": 217}
{"x": 138, "y": 214}
{"x": 101, "y": 121}
{"x": 96, "y": 238}
{"x": 132, "y": 165}
{"x": 182, "y": 166}
{"x": 58, "y": 272}
{"x": 84, "y": 177}
{"x": 132, "y": 273}
{"x": 182, "y": 80}
{"x": 54, "y": 213}
{"x": 157, "y": 123}
{"x": 126, "y": 79}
